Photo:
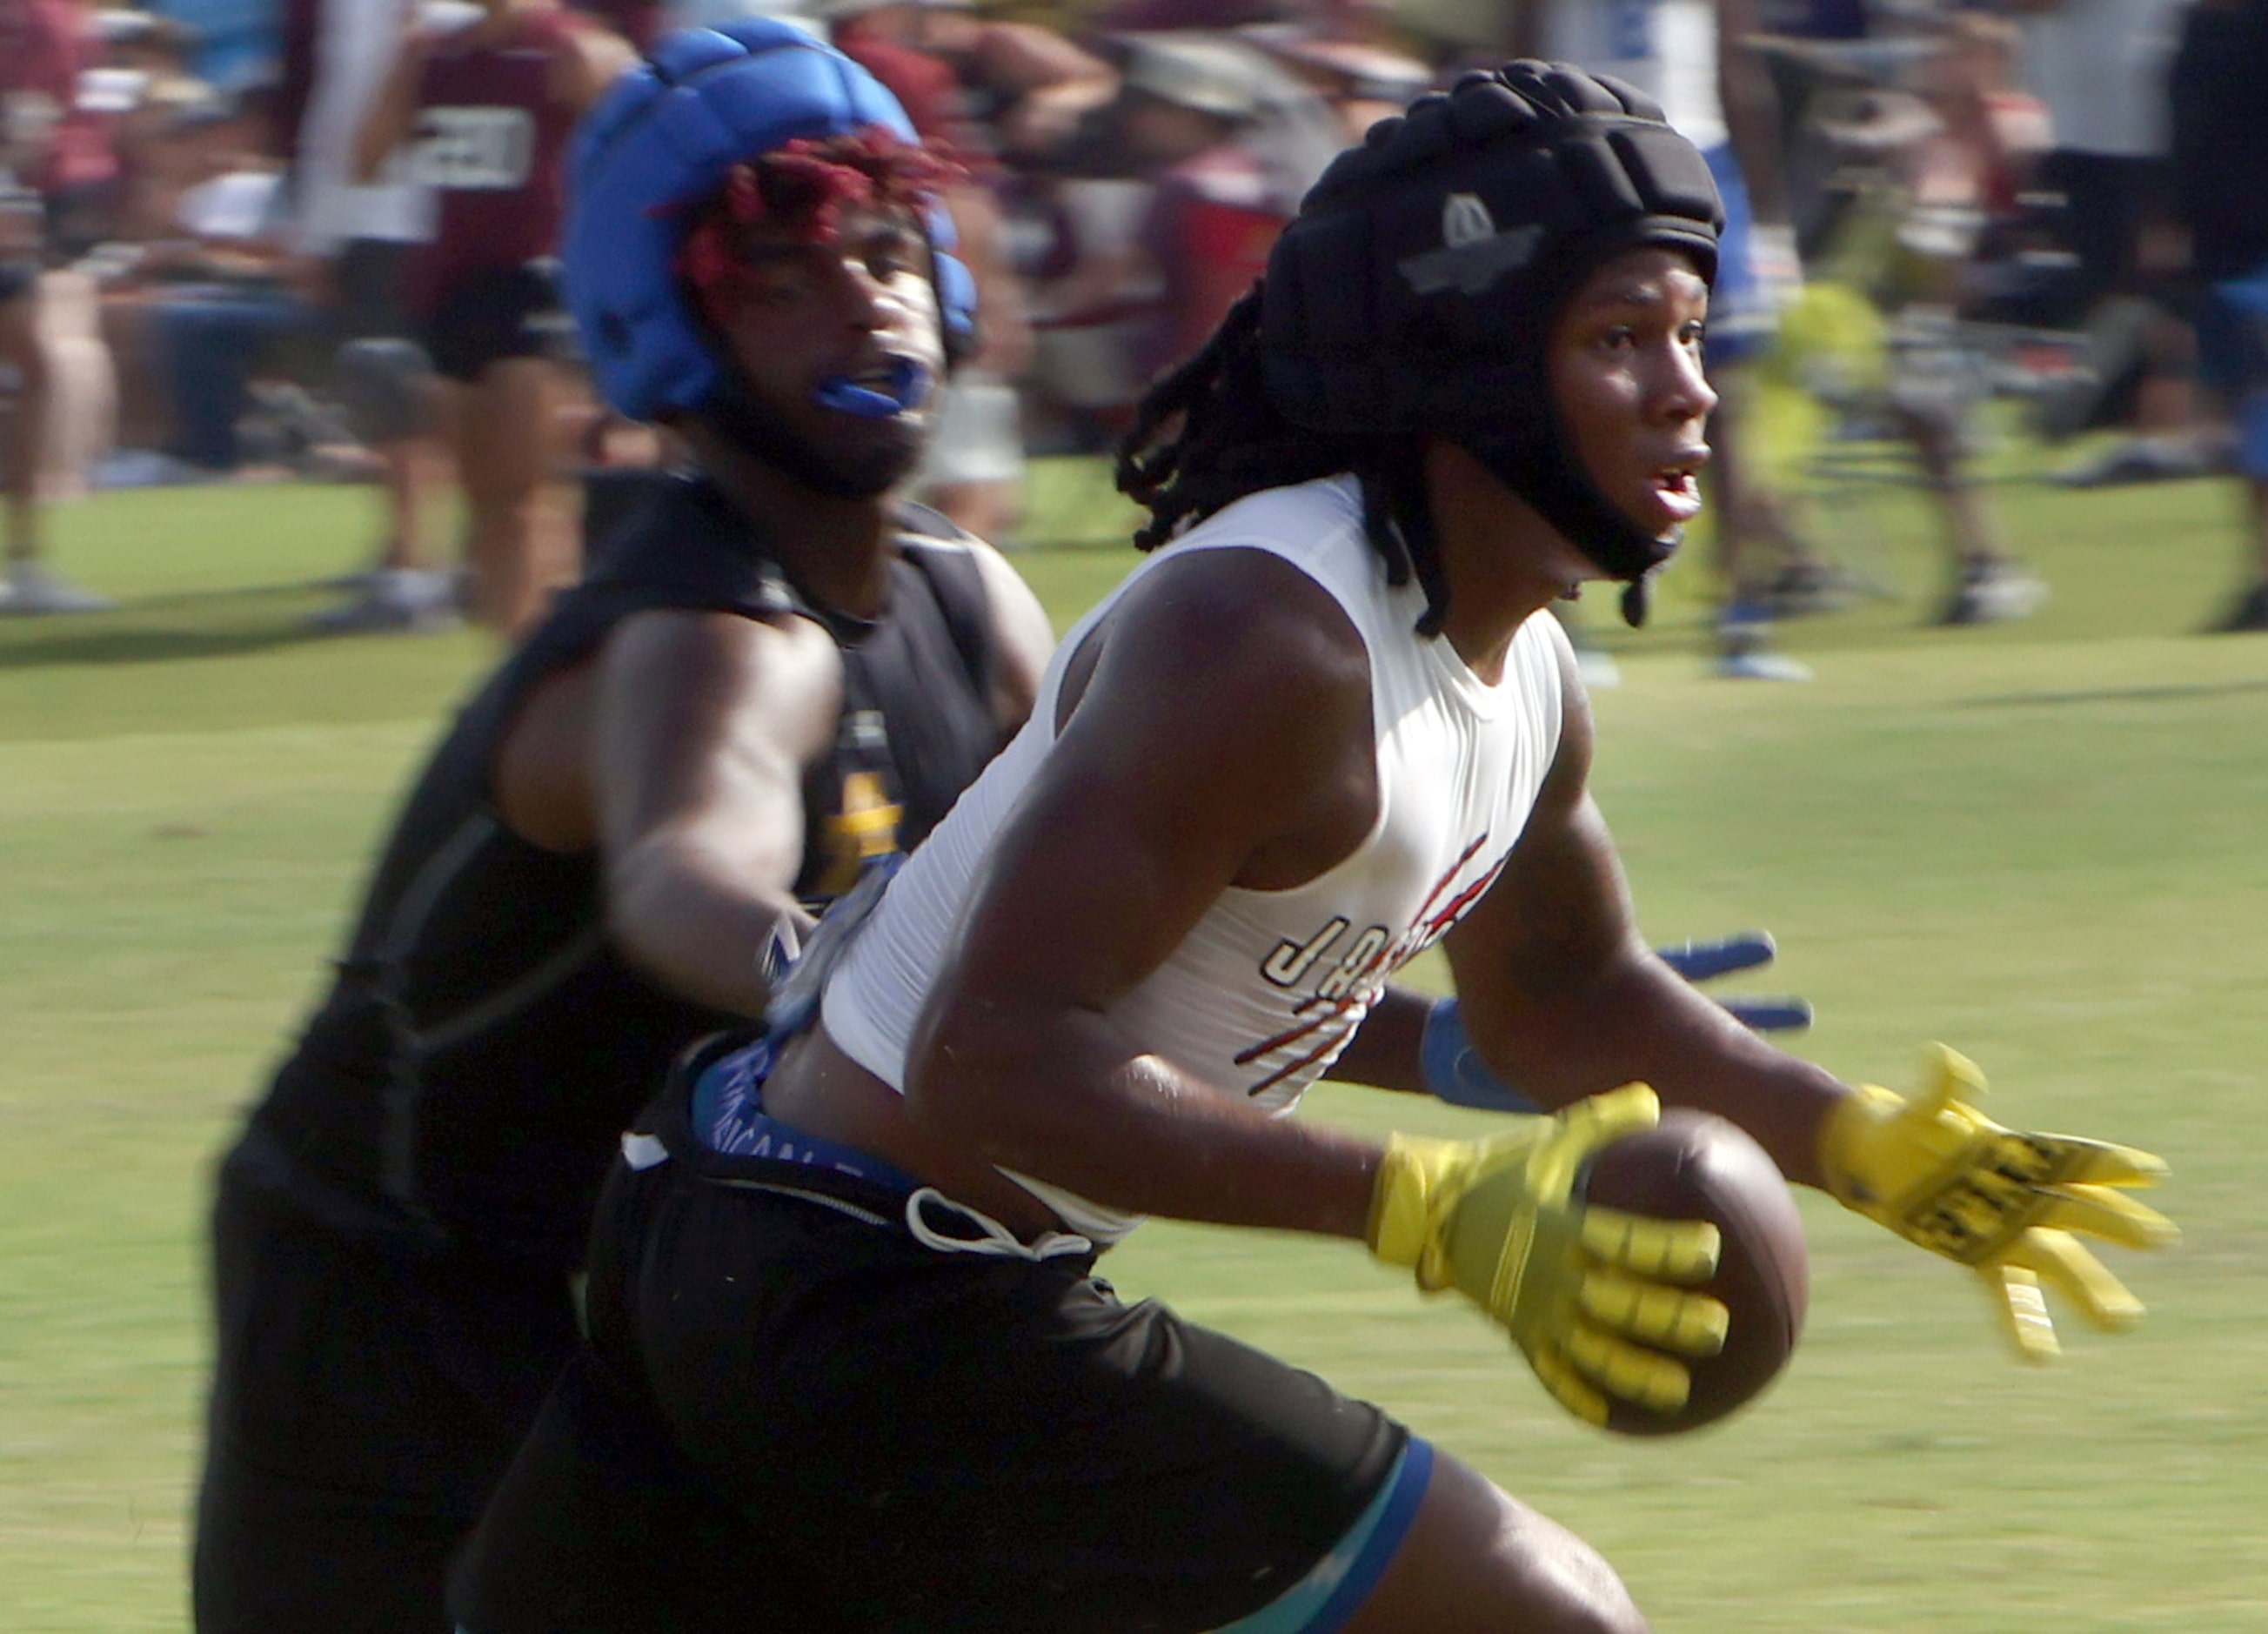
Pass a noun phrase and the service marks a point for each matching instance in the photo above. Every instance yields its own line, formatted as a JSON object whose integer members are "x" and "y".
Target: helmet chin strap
{"x": 1548, "y": 478}
{"x": 908, "y": 388}
{"x": 1634, "y": 599}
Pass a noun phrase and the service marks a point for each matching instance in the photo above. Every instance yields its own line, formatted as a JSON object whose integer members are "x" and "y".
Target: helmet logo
{"x": 1473, "y": 254}
{"x": 1465, "y": 220}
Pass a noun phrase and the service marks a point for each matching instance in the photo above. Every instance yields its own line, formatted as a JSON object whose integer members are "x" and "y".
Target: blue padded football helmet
{"x": 663, "y": 137}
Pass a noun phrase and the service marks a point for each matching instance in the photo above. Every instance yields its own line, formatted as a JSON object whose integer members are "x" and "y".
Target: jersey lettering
{"x": 1328, "y": 1017}
{"x": 474, "y": 149}
{"x": 1355, "y": 966}
{"x": 1289, "y": 962}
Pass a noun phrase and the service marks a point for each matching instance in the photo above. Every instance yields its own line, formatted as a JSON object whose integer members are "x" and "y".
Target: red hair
{"x": 804, "y": 187}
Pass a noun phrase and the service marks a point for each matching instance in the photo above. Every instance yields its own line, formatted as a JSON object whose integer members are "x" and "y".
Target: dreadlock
{"x": 1206, "y": 435}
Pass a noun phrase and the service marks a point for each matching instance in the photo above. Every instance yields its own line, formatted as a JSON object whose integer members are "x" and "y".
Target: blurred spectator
{"x": 2099, "y": 66}
{"x": 56, "y": 201}
{"x": 1126, "y": 16}
{"x": 1693, "y": 58}
{"x": 485, "y": 109}
{"x": 1031, "y": 87}
{"x": 234, "y": 46}
{"x": 1145, "y": 230}
{"x": 1360, "y": 83}
{"x": 218, "y": 290}
{"x": 1089, "y": 291}
{"x": 2220, "y": 142}
{"x": 363, "y": 234}
{"x": 1813, "y": 49}
{"x": 1950, "y": 152}
{"x": 1230, "y": 143}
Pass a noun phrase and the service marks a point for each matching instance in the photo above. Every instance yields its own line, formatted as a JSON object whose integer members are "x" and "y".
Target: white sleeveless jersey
{"x": 1668, "y": 48}
{"x": 1269, "y": 985}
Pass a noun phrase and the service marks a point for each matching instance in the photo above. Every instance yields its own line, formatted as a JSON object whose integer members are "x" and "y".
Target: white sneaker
{"x": 33, "y": 589}
{"x": 1995, "y": 592}
{"x": 1757, "y": 665}
{"x": 402, "y": 599}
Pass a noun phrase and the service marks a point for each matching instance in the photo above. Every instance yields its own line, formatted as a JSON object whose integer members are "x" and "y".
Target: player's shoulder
{"x": 1268, "y": 585}
{"x": 954, "y": 561}
{"x": 1303, "y": 522}
{"x": 926, "y": 526}
{"x": 1318, "y": 531}
{"x": 1017, "y": 630}
{"x": 1544, "y": 641}
{"x": 666, "y": 665}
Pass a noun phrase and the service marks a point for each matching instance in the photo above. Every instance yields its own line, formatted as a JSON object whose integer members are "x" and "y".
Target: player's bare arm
{"x": 1050, "y": 83}
{"x": 1252, "y": 769}
{"x": 1023, "y": 639}
{"x": 1751, "y": 105}
{"x": 1386, "y": 1051}
{"x": 587, "y": 62}
{"x": 1562, "y": 998}
{"x": 680, "y": 752}
{"x": 704, "y": 726}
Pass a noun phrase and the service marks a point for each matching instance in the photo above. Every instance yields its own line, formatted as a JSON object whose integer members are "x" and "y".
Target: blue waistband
{"x": 728, "y": 1117}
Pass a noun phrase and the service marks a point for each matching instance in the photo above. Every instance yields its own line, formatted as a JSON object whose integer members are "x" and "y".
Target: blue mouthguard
{"x": 909, "y": 388}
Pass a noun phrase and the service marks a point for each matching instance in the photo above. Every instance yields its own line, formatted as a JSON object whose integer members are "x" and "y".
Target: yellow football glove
{"x": 1583, "y": 1291}
{"x": 1938, "y": 1172}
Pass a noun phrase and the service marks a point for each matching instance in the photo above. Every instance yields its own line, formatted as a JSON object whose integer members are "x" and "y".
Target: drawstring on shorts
{"x": 992, "y": 1239}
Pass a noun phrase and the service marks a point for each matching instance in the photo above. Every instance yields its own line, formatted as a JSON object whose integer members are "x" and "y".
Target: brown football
{"x": 1693, "y": 1166}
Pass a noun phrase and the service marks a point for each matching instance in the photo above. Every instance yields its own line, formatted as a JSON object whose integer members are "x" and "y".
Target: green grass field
{"x": 2046, "y": 843}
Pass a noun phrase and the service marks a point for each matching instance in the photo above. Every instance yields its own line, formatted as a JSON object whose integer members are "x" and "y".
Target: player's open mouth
{"x": 1678, "y": 490}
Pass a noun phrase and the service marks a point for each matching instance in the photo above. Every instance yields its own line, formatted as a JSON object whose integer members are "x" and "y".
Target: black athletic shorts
{"x": 366, "y": 290}
{"x": 2110, "y": 200}
{"x": 496, "y": 313}
{"x": 792, "y": 1414}
{"x": 365, "y": 1398}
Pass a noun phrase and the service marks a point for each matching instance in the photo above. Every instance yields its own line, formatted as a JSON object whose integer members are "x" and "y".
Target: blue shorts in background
{"x": 2232, "y": 324}
{"x": 1741, "y": 318}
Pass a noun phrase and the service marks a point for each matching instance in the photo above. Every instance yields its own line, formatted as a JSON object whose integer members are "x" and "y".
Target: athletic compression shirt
{"x": 1269, "y": 985}
{"x": 483, "y": 1046}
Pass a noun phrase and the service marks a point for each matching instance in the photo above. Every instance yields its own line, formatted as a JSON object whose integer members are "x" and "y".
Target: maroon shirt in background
{"x": 488, "y": 139}
{"x": 1209, "y": 228}
{"x": 44, "y": 44}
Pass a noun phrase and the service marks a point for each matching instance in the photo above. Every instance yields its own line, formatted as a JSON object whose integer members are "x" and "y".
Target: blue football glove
{"x": 1455, "y": 1072}
{"x": 1747, "y": 950}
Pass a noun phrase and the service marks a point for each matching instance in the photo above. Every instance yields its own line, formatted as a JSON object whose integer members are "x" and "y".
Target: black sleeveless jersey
{"x": 484, "y": 1044}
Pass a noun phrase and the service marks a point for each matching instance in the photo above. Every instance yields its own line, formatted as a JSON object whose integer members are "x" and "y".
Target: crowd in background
{"x": 244, "y": 237}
